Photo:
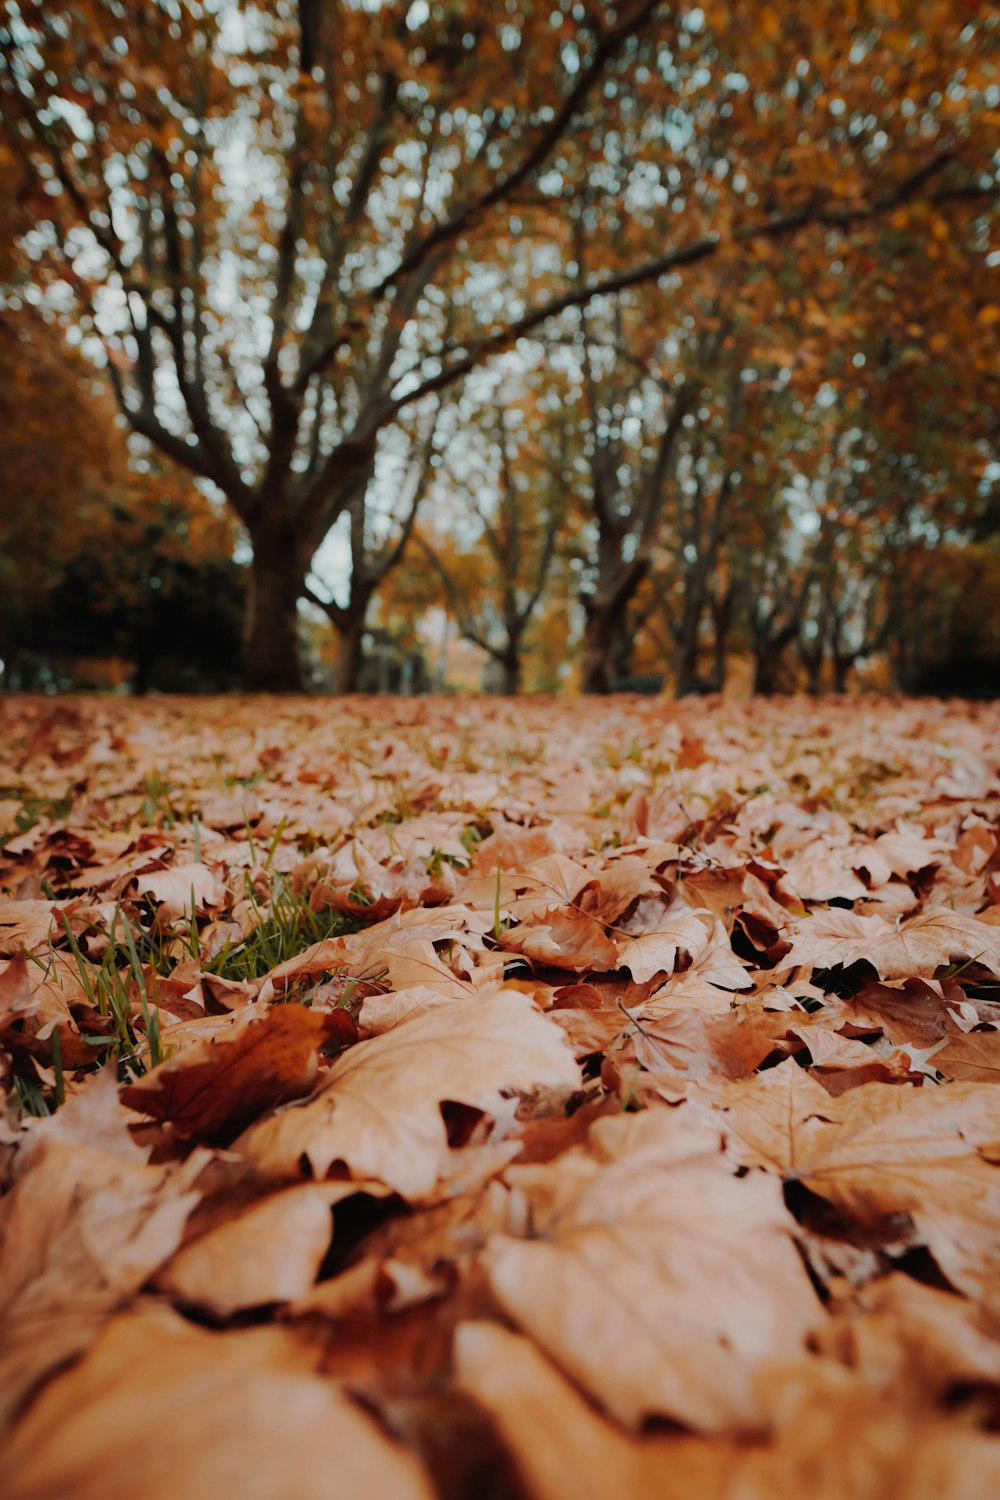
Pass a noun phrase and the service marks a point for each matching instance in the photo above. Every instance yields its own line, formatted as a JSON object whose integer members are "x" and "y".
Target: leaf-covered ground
{"x": 473, "y": 1098}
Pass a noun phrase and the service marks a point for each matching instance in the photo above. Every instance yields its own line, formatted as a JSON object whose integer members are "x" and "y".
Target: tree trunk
{"x": 352, "y": 634}
{"x": 686, "y": 679}
{"x": 765, "y": 670}
{"x": 510, "y": 666}
{"x": 842, "y": 665}
{"x": 721, "y": 616}
{"x": 143, "y": 665}
{"x": 607, "y": 622}
{"x": 598, "y": 652}
{"x": 270, "y": 634}
{"x": 686, "y": 668}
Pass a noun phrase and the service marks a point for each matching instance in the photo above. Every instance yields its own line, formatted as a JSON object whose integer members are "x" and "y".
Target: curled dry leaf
{"x": 564, "y": 938}
{"x": 268, "y": 1253}
{"x": 217, "y": 1087}
{"x": 380, "y": 1108}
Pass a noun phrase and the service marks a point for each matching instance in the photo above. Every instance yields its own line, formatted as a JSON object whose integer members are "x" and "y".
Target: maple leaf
{"x": 917, "y": 949}
{"x": 565, "y": 938}
{"x": 974, "y": 1057}
{"x": 380, "y": 1108}
{"x": 823, "y": 871}
{"x": 616, "y": 887}
{"x": 692, "y": 1043}
{"x": 771, "y": 1120}
{"x": 182, "y": 887}
{"x": 652, "y": 953}
{"x": 649, "y": 1259}
{"x": 882, "y": 1151}
{"x": 217, "y": 1086}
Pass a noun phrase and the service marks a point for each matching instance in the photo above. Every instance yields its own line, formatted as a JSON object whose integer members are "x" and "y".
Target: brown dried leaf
{"x": 659, "y": 1280}
{"x": 380, "y": 1108}
{"x": 564, "y": 938}
{"x": 217, "y": 1087}
{"x": 204, "y": 1414}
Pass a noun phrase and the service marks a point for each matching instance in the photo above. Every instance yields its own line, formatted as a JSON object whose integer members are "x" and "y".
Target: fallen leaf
{"x": 380, "y": 1108}
{"x": 204, "y": 1414}
{"x": 564, "y": 938}
{"x": 915, "y": 951}
{"x": 657, "y": 1279}
{"x": 216, "y": 1087}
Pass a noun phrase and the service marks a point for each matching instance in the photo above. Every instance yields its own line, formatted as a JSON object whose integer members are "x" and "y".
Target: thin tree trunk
{"x": 686, "y": 668}
{"x": 270, "y": 635}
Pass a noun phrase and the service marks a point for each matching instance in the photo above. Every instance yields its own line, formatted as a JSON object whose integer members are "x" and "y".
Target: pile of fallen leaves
{"x": 490, "y": 1099}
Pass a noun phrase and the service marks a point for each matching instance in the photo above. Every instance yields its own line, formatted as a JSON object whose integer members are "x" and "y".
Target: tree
{"x": 494, "y": 588}
{"x": 154, "y": 583}
{"x": 280, "y": 222}
{"x": 374, "y": 554}
{"x": 62, "y": 456}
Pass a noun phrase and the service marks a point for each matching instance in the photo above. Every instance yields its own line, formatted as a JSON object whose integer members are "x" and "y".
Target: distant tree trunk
{"x": 842, "y": 664}
{"x": 811, "y": 655}
{"x": 598, "y": 651}
{"x": 143, "y": 664}
{"x": 352, "y": 634}
{"x": 606, "y": 623}
{"x": 767, "y": 669}
{"x": 270, "y": 639}
{"x": 510, "y": 668}
{"x": 686, "y": 667}
{"x": 722, "y": 608}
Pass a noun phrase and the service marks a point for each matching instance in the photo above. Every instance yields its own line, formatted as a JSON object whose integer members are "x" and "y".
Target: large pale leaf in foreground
{"x": 161, "y": 1410}
{"x": 380, "y": 1111}
{"x": 81, "y": 1230}
{"x": 834, "y": 1438}
{"x": 560, "y": 1445}
{"x": 659, "y": 1280}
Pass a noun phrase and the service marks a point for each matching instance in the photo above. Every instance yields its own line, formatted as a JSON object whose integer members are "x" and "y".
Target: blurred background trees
{"x": 412, "y": 343}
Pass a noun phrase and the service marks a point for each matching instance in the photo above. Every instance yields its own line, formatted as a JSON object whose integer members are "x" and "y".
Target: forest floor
{"x": 481, "y": 1099}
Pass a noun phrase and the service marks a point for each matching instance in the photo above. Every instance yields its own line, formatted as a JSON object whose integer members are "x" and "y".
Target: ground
{"x": 480, "y": 1098}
